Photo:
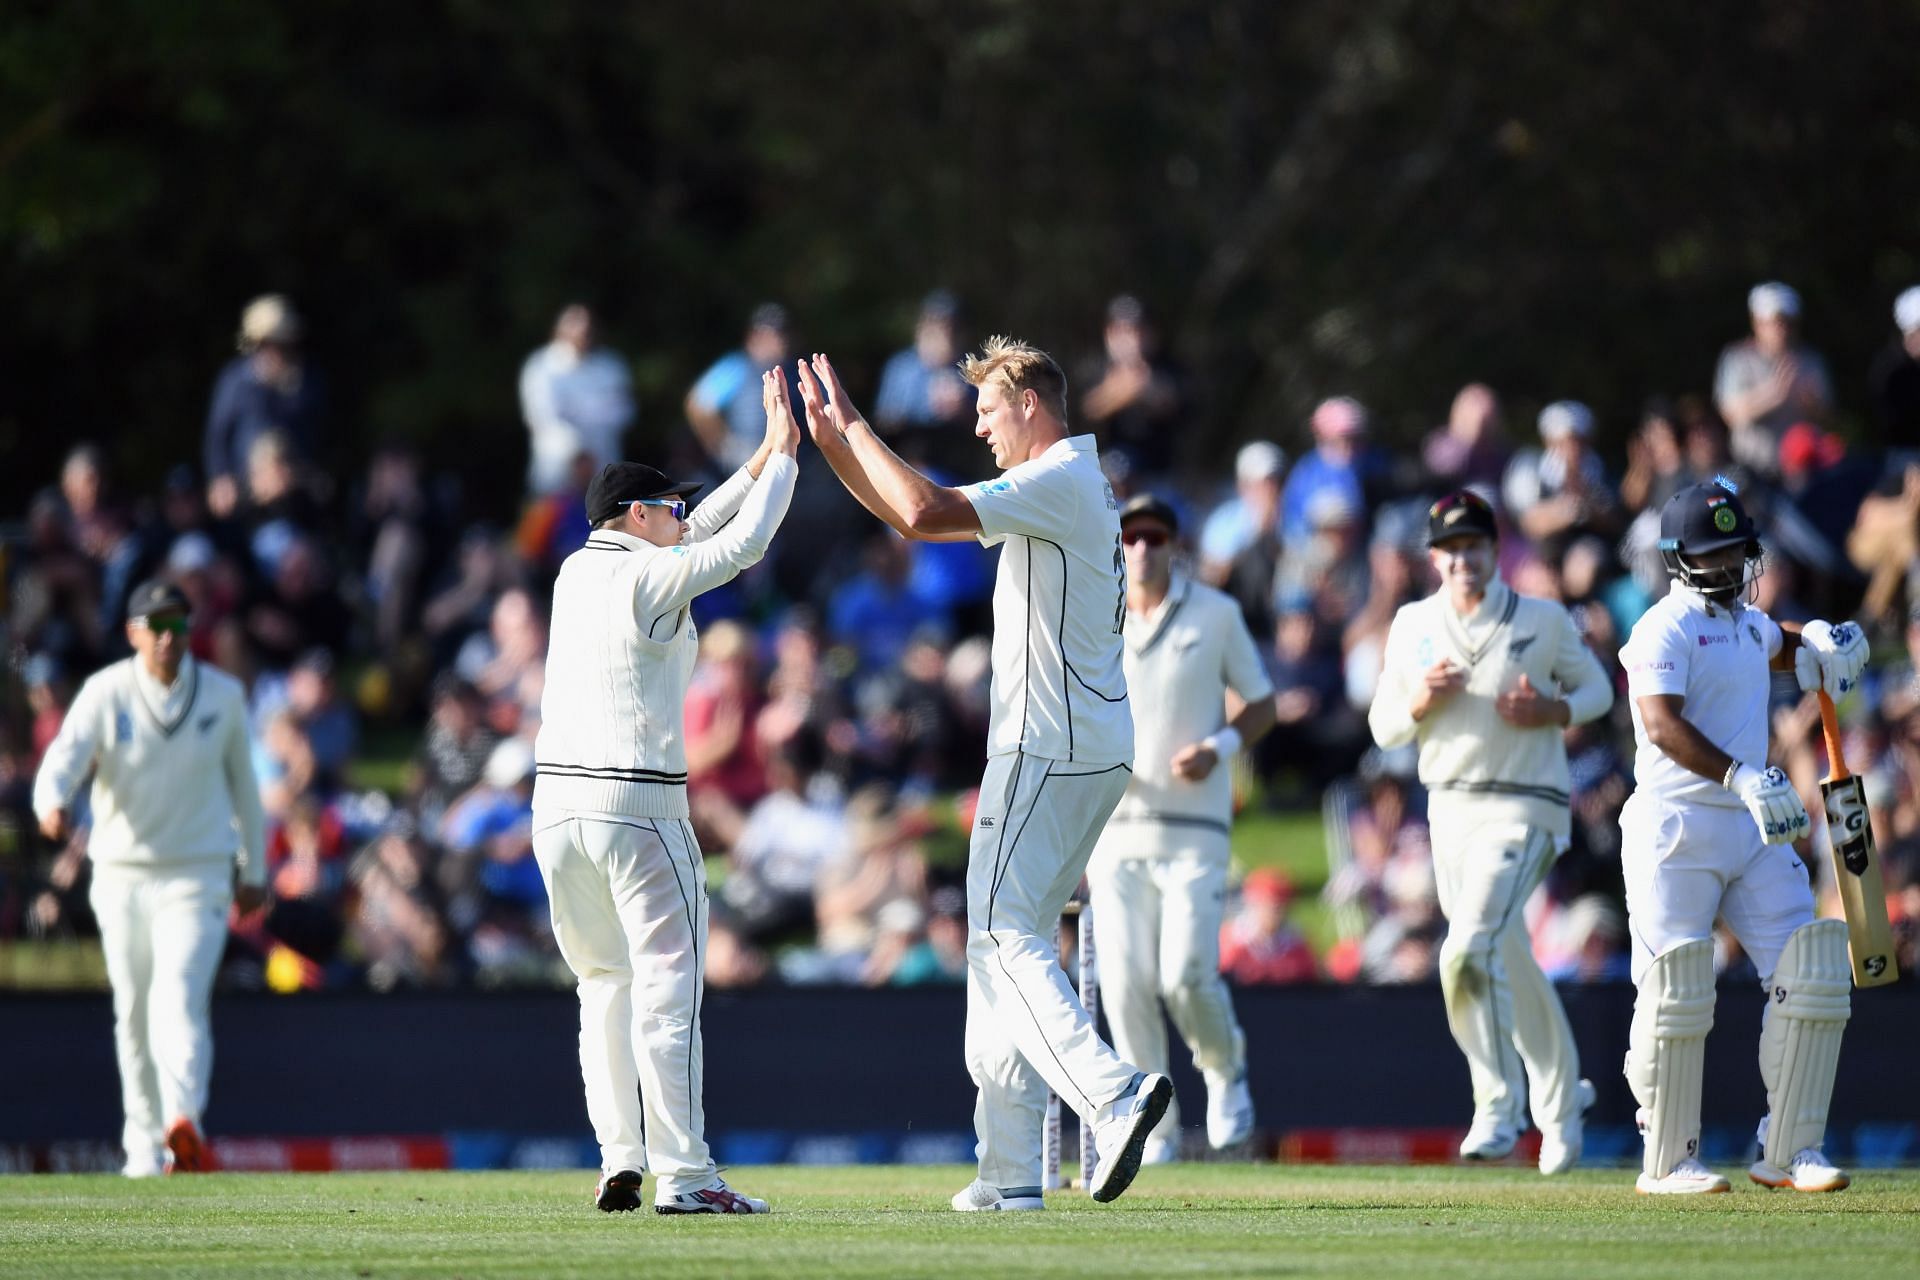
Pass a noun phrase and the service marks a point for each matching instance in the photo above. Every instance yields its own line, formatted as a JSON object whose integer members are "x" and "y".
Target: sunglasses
{"x": 676, "y": 507}
{"x": 1152, "y": 537}
{"x": 167, "y": 626}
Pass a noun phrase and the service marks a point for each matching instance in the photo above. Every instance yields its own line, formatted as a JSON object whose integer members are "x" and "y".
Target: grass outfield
{"x": 1215, "y": 1220}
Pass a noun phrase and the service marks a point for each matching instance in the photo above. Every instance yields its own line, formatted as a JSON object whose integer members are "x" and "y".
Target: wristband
{"x": 1726, "y": 779}
{"x": 1223, "y": 742}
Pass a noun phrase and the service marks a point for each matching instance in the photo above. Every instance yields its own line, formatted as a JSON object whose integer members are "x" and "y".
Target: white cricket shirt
{"x": 1717, "y": 660}
{"x": 1180, "y": 660}
{"x": 173, "y": 781}
{"x": 622, "y": 646}
{"x": 1059, "y": 600}
{"x": 1477, "y": 767}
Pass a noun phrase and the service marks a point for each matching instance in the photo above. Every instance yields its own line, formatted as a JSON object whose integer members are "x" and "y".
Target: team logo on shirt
{"x": 1426, "y": 651}
{"x": 1519, "y": 646}
{"x": 122, "y": 727}
{"x": 986, "y": 821}
{"x": 206, "y": 724}
{"x": 1755, "y": 633}
{"x": 993, "y": 486}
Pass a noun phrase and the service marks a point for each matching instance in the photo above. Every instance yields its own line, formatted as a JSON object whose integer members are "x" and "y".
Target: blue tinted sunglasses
{"x": 676, "y": 507}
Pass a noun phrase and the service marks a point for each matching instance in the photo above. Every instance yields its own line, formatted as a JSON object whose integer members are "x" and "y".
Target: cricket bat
{"x": 1856, "y": 863}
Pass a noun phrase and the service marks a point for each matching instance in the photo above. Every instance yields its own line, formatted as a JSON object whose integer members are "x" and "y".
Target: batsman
{"x": 1708, "y": 832}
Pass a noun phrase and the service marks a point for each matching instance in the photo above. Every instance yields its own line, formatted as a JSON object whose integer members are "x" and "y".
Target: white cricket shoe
{"x": 1229, "y": 1112}
{"x": 1809, "y": 1170}
{"x": 1160, "y": 1151}
{"x": 1490, "y": 1138}
{"x": 1560, "y": 1145}
{"x": 715, "y": 1197}
{"x": 978, "y": 1197}
{"x": 1121, "y": 1137}
{"x": 1689, "y": 1178}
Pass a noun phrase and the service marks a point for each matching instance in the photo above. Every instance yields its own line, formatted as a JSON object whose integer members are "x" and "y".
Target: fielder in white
{"x": 1485, "y": 679}
{"x": 1708, "y": 832}
{"x": 1060, "y": 748}
{"x": 176, "y": 814}
{"x": 1158, "y": 877}
{"x": 625, "y": 878}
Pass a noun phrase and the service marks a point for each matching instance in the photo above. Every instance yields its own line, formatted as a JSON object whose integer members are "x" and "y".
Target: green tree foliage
{"x": 1387, "y": 198}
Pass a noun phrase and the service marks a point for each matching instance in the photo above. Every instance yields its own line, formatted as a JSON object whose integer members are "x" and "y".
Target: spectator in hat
{"x": 724, "y": 405}
{"x": 576, "y": 396}
{"x": 1240, "y": 540}
{"x": 1769, "y": 381}
{"x": 1561, "y": 490}
{"x": 1894, "y": 379}
{"x": 1470, "y": 447}
{"x": 1135, "y": 397}
{"x": 267, "y": 387}
{"x": 1341, "y": 464}
{"x": 920, "y": 386}
{"x": 1259, "y": 946}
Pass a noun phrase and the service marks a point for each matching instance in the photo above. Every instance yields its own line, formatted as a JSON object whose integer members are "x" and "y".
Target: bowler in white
{"x": 1060, "y": 750}
{"x": 178, "y": 836}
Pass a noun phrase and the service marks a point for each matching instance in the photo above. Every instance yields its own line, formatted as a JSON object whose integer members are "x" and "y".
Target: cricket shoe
{"x": 715, "y": 1197}
{"x": 617, "y": 1192}
{"x": 1809, "y": 1170}
{"x": 1121, "y": 1138}
{"x": 1160, "y": 1151}
{"x": 1488, "y": 1139}
{"x": 979, "y": 1197}
{"x": 188, "y": 1152}
{"x": 1689, "y": 1178}
{"x": 1560, "y": 1145}
{"x": 1229, "y": 1112}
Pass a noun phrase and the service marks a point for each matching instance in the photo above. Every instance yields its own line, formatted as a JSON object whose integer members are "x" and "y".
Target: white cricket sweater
{"x": 173, "y": 782}
{"x": 1476, "y": 767}
{"x": 622, "y": 646}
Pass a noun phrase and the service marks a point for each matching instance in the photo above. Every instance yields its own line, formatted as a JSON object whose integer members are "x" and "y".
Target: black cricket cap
{"x": 156, "y": 595}
{"x": 1706, "y": 517}
{"x": 1462, "y": 513}
{"x": 1153, "y": 507}
{"x": 622, "y": 482}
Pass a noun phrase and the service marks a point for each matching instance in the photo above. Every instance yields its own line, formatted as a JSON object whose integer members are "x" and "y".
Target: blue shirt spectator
{"x": 724, "y": 406}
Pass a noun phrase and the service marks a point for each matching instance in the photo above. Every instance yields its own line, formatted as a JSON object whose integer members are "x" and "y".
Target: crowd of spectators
{"x": 393, "y": 645}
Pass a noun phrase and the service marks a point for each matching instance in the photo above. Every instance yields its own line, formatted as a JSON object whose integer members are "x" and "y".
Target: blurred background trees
{"x": 1385, "y": 199}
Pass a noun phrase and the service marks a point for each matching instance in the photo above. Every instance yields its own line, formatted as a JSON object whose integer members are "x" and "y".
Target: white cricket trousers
{"x": 1027, "y": 1031}
{"x": 1687, "y": 863}
{"x": 1156, "y": 930}
{"x": 1505, "y": 1015}
{"x": 629, "y": 904}
{"x": 163, "y": 933}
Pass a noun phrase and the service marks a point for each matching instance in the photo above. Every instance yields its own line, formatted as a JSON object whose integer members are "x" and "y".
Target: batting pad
{"x": 1667, "y": 1051}
{"x": 1808, "y": 1003}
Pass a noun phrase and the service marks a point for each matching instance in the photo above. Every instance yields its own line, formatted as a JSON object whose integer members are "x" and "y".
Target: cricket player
{"x": 1708, "y": 832}
{"x": 1158, "y": 878}
{"x": 1060, "y": 750}
{"x": 176, "y": 822}
{"x": 625, "y": 879}
{"x": 1485, "y": 679}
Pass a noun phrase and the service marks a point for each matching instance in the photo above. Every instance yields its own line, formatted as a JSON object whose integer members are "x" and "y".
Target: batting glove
{"x": 1771, "y": 799}
{"x": 1839, "y": 655}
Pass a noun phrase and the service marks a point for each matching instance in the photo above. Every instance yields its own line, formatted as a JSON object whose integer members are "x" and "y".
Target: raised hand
{"x": 828, "y": 406}
{"x": 783, "y": 433}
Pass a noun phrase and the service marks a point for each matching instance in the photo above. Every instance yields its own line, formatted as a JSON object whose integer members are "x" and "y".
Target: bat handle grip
{"x": 1830, "y": 727}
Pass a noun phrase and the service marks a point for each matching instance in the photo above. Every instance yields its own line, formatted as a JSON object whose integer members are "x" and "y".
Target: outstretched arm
{"x": 874, "y": 474}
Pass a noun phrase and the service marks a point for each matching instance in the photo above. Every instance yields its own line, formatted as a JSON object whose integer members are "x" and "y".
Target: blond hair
{"x": 1017, "y": 366}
